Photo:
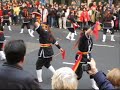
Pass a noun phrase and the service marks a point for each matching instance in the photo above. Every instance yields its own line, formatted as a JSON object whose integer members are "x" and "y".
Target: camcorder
{"x": 85, "y": 66}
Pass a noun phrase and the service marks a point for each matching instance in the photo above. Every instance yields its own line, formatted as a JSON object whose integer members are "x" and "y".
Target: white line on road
{"x": 68, "y": 32}
{"x": 99, "y": 45}
{"x": 7, "y": 36}
{"x": 118, "y": 36}
{"x": 68, "y": 63}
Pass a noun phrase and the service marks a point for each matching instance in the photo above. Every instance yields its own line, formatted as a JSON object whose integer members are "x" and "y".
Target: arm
{"x": 38, "y": 28}
{"x": 99, "y": 77}
{"x": 102, "y": 81}
{"x": 58, "y": 46}
{"x": 34, "y": 84}
{"x": 53, "y": 41}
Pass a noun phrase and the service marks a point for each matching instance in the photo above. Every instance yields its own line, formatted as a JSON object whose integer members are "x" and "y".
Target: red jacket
{"x": 84, "y": 16}
{"x": 1, "y": 13}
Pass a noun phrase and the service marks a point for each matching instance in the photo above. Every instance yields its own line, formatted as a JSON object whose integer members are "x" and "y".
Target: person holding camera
{"x": 105, "y": 82}
{"x": 85, "y": 44}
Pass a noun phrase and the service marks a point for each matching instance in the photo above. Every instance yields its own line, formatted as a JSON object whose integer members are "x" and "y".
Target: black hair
{"x": 15, "y": 51}
{"x": 85, "y": 28}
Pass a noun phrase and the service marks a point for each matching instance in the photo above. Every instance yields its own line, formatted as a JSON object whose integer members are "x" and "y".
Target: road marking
{"x": 118, "y": 36}
{"x": 99, "y": 45}
{"x": 7, "y": 36}
{"x": 68, "y": 32}
{"x": 68, "y": 63}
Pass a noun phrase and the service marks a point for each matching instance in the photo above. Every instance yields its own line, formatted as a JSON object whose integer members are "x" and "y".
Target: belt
{"x": 45, "y": 45}
{"x": 84, "y": 53}
{"x": 75, "y": 66}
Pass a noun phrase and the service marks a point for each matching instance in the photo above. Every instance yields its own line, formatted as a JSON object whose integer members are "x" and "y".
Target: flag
{"x": 96, "y": 29}
{"x": 75, "y": 66}
{"x": 63, "y": 54}
{"x": 75, "y": 25}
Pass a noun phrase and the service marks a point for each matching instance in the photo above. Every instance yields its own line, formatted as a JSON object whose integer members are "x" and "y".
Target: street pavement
{"x": 105, "y": 54}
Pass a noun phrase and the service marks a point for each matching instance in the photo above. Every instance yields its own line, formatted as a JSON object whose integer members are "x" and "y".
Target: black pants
{"x": 1, "y": 46}
{"x": 43, "y": 62}
{"x": 79, "y": 70}
{"x": 105, "y": 31}
{"x": 26, "y": 24}
{"x": 6, "y": 21}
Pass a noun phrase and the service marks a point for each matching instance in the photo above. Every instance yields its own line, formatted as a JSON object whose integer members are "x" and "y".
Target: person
{"x": 45, "y": 52}
{"x": 72, "y": 30}
{"x": 44, "y": 14}
{"x": 84, "y": 17}
{"x": 2, "y": 40}
{"x": 85, "y": 44}
{"x": 64, "y": 78}
{"x": 108, "y": 24}
{"x": 105, "y": 82}
{"x": 12, "y": 75}
{"x": 26, "y": 22}
{"x": 6, "y": 16}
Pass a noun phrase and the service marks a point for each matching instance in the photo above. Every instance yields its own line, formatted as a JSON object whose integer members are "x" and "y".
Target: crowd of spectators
{"x": 56, "y": 14}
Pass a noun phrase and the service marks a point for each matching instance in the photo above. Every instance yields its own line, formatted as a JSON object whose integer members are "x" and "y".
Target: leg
{"x": 3, "y": 23}
{"x": 68, "y": 36}
{"x": 104, "y": 35}
{"x": 48, "y": 65}
{"x": 60, "y": 23}
{"x": 79, "y": 72}
{"x": 64, "y": 22}
{"x": 112, "y": 34}
{"x": 22, "y": 27}
{"x": 75, "y": 32}
{"x": 72, "y": 36}
{"x": 39, "y": 65}
{"x": 8, "y": 24}
{"x": 29, "y": 30}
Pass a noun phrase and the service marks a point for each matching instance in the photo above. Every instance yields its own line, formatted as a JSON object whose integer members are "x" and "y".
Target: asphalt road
{"x": 106, "y": 54}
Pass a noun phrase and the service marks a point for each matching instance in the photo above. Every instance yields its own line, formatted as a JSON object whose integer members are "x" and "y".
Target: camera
{"x": 85, "y": 66}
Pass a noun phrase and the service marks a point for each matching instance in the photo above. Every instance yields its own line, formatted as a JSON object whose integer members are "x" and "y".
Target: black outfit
{"x": 26, "y": 20}
{"x": 14, "y": 77}
{"x": 45, "y": 53}
{"x": 107, "y": 24}
{"x": 85, "y": 45}
{"x": 6, "y": 17}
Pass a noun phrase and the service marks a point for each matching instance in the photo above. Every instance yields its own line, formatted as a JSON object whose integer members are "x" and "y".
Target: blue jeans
{"x": 52, "y": 21}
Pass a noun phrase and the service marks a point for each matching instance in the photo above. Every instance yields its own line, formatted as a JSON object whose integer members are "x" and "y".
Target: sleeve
{"x": 53, "y": 41}
{"x": 34, "y": 84}
{"x": 102, "y": 82}
{"x": 39, "y": 29}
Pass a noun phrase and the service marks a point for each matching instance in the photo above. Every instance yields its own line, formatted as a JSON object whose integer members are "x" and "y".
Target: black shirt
{"x": 85, "y": 43}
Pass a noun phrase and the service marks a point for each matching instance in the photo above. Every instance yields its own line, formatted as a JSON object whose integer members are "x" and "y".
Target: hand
{"x": 93, "y": 70}
{"x": 61, "y": 50}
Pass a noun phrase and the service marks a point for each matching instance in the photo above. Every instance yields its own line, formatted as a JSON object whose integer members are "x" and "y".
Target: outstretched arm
{"x": 58, "y": 46}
